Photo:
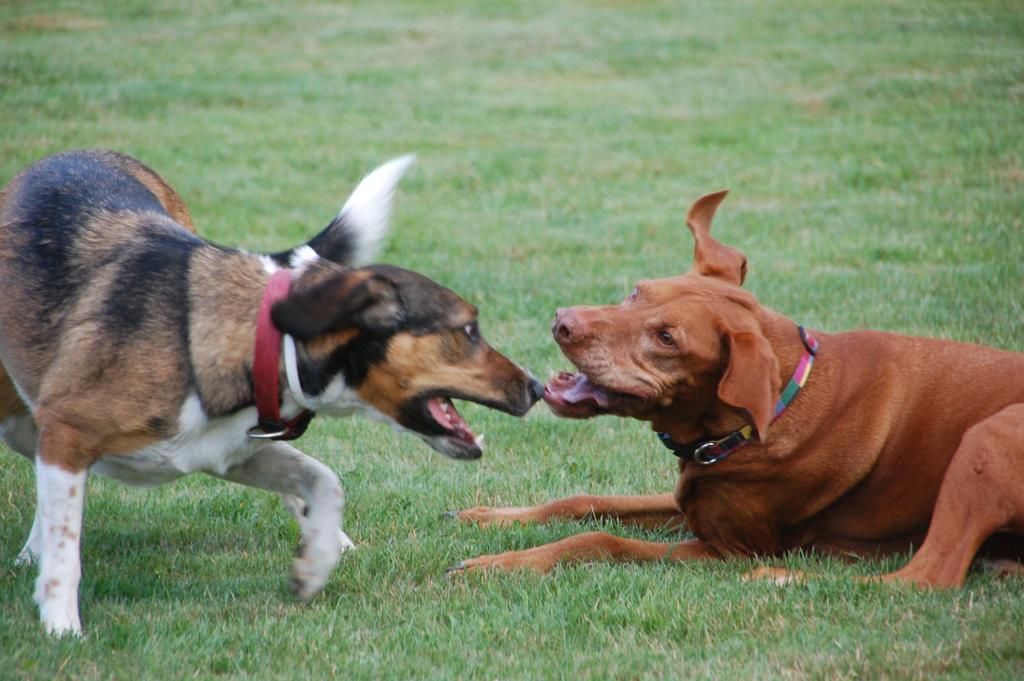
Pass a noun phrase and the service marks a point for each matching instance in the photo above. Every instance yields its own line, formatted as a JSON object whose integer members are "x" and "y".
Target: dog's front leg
{"x": 313, "y": 493}
{"x": 652, "y": 510}
{"x": 60, "y": 499}
{"x": 300, "y": 511}
{"x": 587, "y": 548}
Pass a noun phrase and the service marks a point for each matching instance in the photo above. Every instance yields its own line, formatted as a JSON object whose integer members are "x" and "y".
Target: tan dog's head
{"x": 397, "y": 346}
{"x": 685, "y": 348}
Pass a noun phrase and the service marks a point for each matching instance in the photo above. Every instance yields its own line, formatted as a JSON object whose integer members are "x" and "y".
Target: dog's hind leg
{"x": 61, "y": 470}
{"x": 981, "y": 495}
{"x": 18, "y": 431}
{"x": 30, "y": 551}
{"x": 653, "y": 510}
{"x": 20, "y": 434}
{"x": 17, "y": 426}
{"x": 313, "y": 494}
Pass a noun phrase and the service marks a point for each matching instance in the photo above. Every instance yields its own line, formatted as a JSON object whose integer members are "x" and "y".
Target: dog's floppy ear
{"x": 751, "y": 380}
{"x": 341, "y": 300}
{"x": 710, "y": 257}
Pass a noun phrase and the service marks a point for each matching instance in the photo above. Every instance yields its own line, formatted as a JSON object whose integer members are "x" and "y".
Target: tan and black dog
{"x": 860, "y": 441}
{"x": 131, "y": 341}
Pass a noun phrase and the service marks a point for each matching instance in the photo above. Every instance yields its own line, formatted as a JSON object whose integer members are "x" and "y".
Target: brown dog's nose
{"x": 567, "y": 327}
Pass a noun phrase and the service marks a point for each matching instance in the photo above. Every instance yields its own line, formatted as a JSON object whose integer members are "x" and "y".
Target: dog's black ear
{"x": 342, "y": 300}
{"x": 710, "y": 257}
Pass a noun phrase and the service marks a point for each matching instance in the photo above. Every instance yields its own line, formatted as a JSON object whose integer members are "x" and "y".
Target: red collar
{"x": 266, "y": 359}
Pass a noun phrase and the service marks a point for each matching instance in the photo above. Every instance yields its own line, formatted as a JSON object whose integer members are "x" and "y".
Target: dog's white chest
{"x": 200, "y": 445}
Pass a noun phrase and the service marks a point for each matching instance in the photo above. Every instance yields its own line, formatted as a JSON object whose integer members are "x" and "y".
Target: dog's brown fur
{"x": 130, "y": 340}
{"x": 10, "y": 403}
{"x": 893, "y": 440}
{"x": 66, "y": 371}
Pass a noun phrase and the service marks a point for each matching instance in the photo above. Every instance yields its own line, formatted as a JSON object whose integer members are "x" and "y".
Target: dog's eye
{"x": 472, "y": 332}
{"x": 665, "y": 338}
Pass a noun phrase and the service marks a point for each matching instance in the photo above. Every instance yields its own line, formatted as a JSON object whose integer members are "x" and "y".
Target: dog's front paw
{"x": 313, "y": 566}
{"x": 306, "y": 582}
{"x": 779, "y": 576}
{"x": 487, "y": 516}
{"x": 530, "y": 559}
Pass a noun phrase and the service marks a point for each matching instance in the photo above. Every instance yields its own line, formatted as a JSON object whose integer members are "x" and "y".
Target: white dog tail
{"x": 355, "y": 236}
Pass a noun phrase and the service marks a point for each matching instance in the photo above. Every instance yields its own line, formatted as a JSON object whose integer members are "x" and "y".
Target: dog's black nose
{"x": 536, "y": 389}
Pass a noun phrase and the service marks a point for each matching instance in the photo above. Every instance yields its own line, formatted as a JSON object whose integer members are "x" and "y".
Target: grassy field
{"x": 876, "y": 155}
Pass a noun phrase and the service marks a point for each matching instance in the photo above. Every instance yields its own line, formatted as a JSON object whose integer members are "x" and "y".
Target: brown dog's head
{"x": 397, "y": 346}
{"x": 687, "y": 348}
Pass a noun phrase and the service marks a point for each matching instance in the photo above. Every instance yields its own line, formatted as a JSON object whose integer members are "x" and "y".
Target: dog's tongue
{"x": 574, "y": 396}
{"x": 576, "y": 388}
{"x": 444, "y": 412}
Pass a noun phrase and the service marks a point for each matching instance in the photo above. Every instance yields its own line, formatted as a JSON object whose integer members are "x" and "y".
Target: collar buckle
{"x": 709, "y": 453}
{"x": 281, "y": 430}
{"x": 267, "y": 431}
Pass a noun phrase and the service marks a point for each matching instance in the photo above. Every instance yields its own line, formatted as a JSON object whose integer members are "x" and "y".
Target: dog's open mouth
{"x": 446, "y": 431}
{"x": 449, "y": 418}
{"x": 576, "y": 396}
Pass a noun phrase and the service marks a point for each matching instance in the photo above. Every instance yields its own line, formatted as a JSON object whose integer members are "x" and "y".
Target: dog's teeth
{"x": 551, "y": 373}
{"x": 479, "y": 440}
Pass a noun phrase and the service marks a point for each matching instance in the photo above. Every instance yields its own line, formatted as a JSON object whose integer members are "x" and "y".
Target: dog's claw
{"x": 455, "y": 570}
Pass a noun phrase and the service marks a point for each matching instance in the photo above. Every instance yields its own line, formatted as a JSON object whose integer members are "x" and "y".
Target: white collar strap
{"x": 291, "y": 369}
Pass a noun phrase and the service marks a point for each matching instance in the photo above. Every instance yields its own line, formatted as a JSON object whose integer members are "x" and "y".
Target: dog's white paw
{"x": 313, "y": 566}
{"x": 60, "y": 619}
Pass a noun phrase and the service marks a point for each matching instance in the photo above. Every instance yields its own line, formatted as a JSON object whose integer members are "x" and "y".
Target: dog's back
{"x": 90, "y": 177}
{"x": 42, "y": 210}
{"x": 68, "y": 226}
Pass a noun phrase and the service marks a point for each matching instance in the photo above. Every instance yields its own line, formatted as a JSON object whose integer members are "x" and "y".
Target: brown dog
{"x": 888, "y": 434}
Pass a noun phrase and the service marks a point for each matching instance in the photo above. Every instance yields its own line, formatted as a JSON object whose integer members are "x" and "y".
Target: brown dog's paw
{"x": 472, "y": 565}
{"x": 531, "y": 559}
{"x": 487, "y": 516}
{"x": 779, "y": 576}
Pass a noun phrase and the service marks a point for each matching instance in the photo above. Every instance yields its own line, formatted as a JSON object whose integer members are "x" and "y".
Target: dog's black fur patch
{"x": 55, "y": 201}
{"x": 426, "y": 307}
{"x": 151, "y": 281}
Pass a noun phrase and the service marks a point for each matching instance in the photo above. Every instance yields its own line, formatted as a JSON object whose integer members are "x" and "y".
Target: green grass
{"x": 876, "y": 157}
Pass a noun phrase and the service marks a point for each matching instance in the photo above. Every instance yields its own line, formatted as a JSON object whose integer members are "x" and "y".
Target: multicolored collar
{"x": 707, "y": 452}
